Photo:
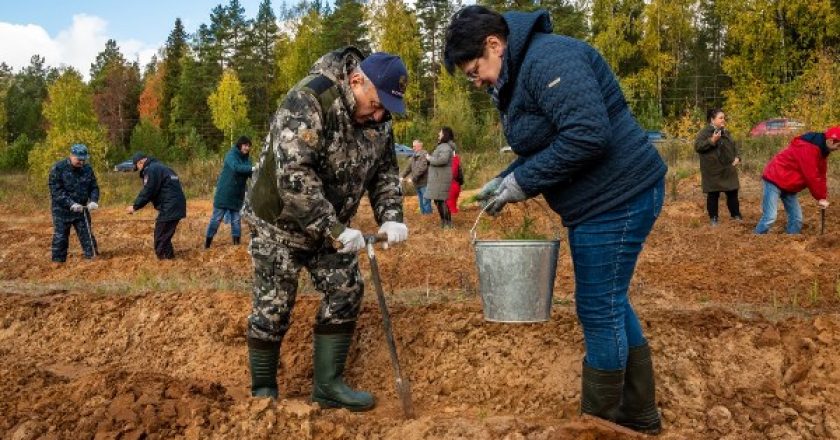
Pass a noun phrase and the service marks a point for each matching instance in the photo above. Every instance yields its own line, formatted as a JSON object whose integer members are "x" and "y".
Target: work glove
{"x": 92, "y": 205}
{"x": 395, "y": 231}
{"x": 76, "y": 207}
{"x": 823, "y": 203}
{"x": 488, "y": 189}
{"x": 352, "y": 241}
{"x": 508, "y": 192}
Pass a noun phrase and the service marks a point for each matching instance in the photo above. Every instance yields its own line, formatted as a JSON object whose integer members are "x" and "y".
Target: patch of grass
{"x": 525, "y": 231}
{"x": 814, "y": 292}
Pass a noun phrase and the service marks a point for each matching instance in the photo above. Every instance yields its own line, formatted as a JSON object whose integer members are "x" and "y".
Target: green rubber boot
{"x": 263, "y": 357}
{"x": 601, "y": 392}
{"x": 332, "y": 342}
{"x": 638, "y": 407}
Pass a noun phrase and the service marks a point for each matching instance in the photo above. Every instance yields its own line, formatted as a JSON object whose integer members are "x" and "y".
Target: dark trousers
{"x": 731, "y": 203}
{"x": 61, "y": 236}
{"x": 164, "y": 231}
{"x": 443, "y": 211}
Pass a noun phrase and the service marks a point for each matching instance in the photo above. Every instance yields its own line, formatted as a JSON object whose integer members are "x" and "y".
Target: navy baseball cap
{"x": 80, "y": 151}
{"x": 138, "y": 157}
{"x": 390, "y": 77}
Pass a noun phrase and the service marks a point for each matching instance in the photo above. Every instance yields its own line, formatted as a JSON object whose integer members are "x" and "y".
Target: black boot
{"x": 236, "y": 241}
{"x": 263, "y": 357}
{"x": 601, "y": 392}
{"x": 638, "y": 408}
{"x": 332, "y": 341}
{"x": 207, "y": 241}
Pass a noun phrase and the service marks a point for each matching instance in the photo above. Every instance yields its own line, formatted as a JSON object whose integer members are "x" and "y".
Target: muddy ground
{"x": 744, "y": 331}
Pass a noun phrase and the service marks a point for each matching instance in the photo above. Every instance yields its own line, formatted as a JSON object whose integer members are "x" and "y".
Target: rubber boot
{"x": 332, "y": 342}
{"x": 236, "y": 241}
{"x": 638, "y": 407}
{"x": 601, "y": 392}
{"x": 207, "y": 241}
{"x": 263, "y": 357}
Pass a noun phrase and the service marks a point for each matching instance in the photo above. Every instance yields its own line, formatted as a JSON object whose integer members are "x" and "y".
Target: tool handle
{"x": 376, "y": 238}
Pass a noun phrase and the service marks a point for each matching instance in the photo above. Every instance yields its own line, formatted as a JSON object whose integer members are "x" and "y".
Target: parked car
{"x": 403, "y": 150}
{"x": 777, "y": 127}
{"x": 505, "y": 149}
{"x": 127, "y": 166}
{"x": 656, "y": 136}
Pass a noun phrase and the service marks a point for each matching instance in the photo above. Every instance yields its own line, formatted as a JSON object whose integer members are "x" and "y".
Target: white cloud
{"x": 75, "y": 46}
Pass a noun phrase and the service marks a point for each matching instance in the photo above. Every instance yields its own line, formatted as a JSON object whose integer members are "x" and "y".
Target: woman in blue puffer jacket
{"x": 579, "y": 146}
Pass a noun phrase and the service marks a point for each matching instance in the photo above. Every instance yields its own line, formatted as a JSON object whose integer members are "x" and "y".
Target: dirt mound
{"x": 743, "y": 328}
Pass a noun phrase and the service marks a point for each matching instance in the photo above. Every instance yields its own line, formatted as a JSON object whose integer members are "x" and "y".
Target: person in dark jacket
{"x": 719, "y": 159}
{"x": 230, "y": 191}
{"x": 440, "y": 175}
{"x": 162, "y": 187}
{"x": 73, "y": 194}
{"x": 579, "y": 146}
{"x": 803, "y": 164}
{"x": 417, "y": 173}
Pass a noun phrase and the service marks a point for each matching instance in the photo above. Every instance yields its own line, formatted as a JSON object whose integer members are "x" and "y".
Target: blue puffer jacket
{"x": 566, "y": 118}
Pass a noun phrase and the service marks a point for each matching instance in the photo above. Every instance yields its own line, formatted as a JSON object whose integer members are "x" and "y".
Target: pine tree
{"x": 259, "y": 74}
{"x": 345, "y": 26}
{"x": 173, "y": 52}
{"x": 433, "y": 16}
{"x": 24, "y": 101}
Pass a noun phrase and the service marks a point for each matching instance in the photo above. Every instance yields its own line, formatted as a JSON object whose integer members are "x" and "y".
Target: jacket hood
{"x": 521, "y": 28}
{"x": 149, "y": 161}
{"x": 817, "y": 139}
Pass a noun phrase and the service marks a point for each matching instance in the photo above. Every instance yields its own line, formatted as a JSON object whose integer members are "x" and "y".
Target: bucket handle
{"x": 483, "y": 210}
{"x": 473, "y": 235}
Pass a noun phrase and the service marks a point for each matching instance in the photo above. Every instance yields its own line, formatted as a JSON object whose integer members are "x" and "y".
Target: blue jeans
{"x": 770, "y": 207}
{"x": 229, "y": 216}
{"x": 604, "y": 250}
{"x": 425, "y": 204}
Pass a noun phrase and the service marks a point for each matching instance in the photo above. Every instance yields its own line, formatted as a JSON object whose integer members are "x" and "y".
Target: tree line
{"x": 205, "y": 87}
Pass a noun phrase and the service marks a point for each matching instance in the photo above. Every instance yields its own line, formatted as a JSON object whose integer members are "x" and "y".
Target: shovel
{"x": 822, "y": 221}
{"x": 403, "y": 386}
{"x": 85, "y": 215}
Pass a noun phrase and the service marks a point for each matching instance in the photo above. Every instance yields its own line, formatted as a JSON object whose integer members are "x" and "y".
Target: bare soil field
{"x": 744, "y": 331}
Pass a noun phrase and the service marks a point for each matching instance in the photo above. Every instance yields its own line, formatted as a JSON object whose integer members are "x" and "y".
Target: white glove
{"x": 92, "y": 205}
{"x": 823, "y": 203}
{"x": 395, "y": 231}
{"x": 76, "y": 207}
{"x": 352, "y": 241}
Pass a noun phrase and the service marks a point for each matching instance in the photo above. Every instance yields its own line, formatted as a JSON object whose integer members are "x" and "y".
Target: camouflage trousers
{"x": 276, "y": 270}
{"x": 61, "y": 235}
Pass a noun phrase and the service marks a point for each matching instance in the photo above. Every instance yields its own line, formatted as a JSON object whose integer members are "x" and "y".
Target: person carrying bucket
{"x": 579, "y": 146}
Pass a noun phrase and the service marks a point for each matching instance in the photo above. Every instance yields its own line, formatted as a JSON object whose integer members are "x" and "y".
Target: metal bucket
{"x": 516, "y": 278}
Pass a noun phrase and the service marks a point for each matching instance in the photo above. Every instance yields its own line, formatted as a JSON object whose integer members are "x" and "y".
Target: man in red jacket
{"x": 803, "y": 164}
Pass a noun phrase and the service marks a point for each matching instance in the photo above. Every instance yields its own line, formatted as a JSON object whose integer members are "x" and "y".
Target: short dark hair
{"x": 448, "y": 134}
{"x": 242, "y": 141}
{"x": 465, "y": 35}
{"x": 712, "y": 113}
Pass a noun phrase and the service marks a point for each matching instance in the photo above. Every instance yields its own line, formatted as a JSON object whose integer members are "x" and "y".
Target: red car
{"x": 777, "y": 127}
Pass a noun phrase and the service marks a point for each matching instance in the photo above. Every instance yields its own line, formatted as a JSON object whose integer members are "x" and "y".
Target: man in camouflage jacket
{"x": 329, "y": 143}
{"x": 73, "y": 194}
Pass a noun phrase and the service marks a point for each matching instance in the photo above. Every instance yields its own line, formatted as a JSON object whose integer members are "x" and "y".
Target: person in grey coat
{"x": 719, "y": 158}
{"x": 440, "y": 175}
{"x": 417, "y": 173}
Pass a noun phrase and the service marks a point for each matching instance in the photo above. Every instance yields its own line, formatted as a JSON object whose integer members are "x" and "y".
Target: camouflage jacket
{"x": 317, "y": 163}
{"x": 69, "y": 185}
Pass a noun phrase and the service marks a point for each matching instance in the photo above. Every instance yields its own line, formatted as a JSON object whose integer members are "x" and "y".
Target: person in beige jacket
{"x": 417, "y": 173}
